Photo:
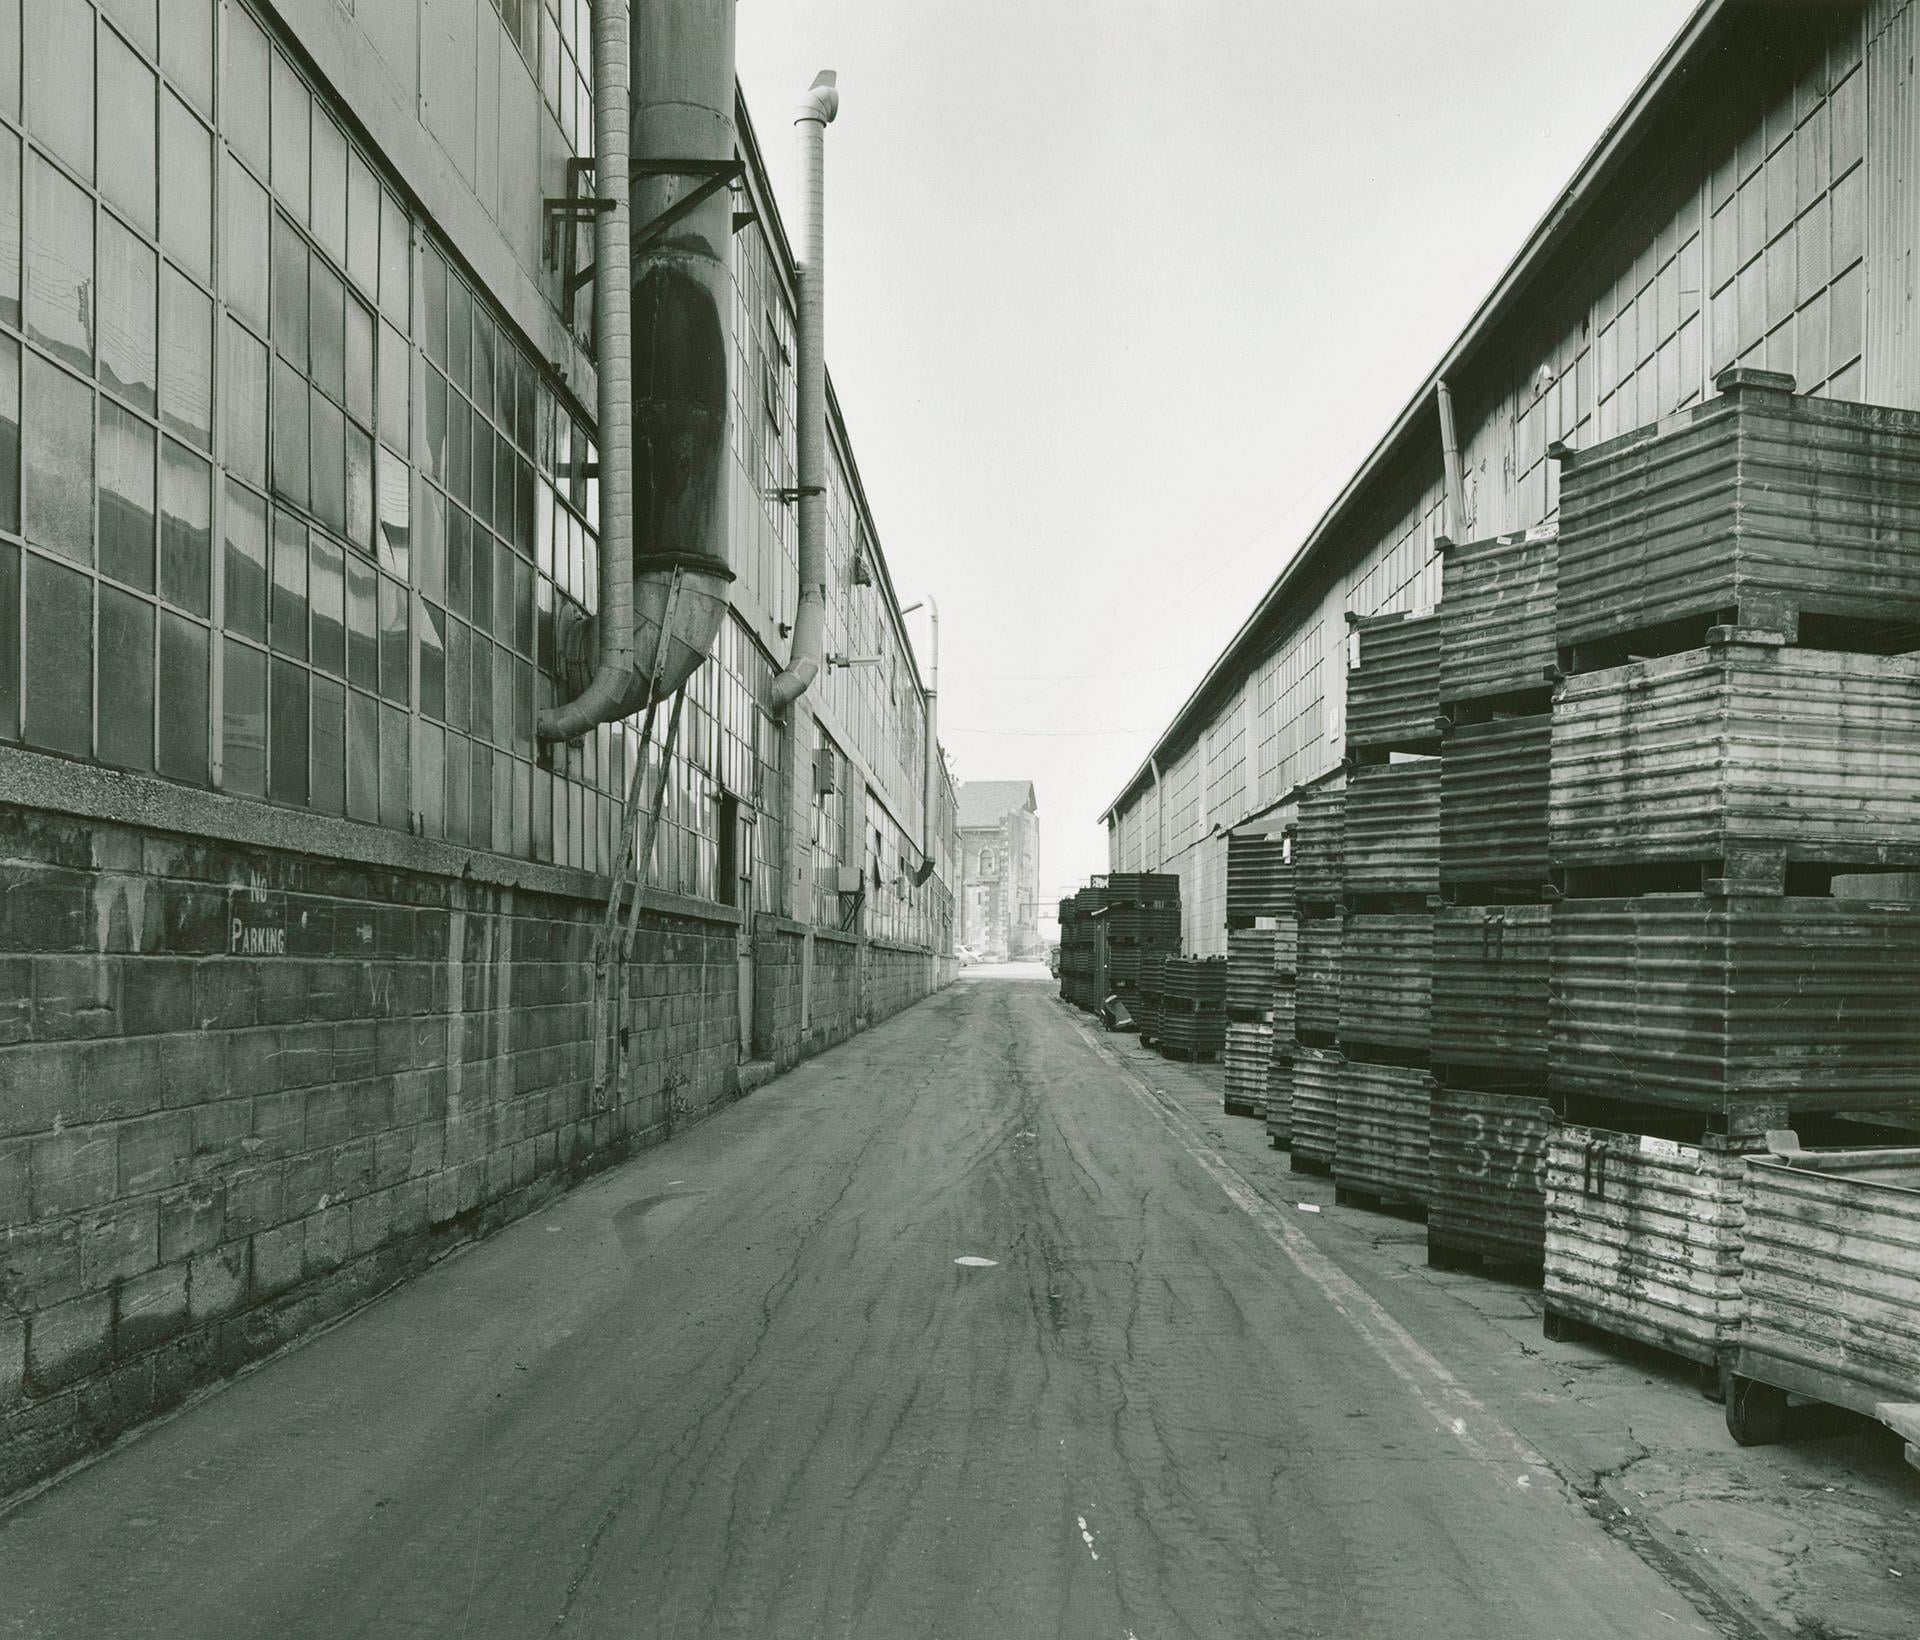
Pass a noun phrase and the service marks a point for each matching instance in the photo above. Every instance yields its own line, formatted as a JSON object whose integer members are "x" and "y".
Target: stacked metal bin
{"x": 1390, "y": 882}
{"x": 1491, "y": 936}
{"x": 1069, "y": 943}
{"x": 1249, "y": 1044}
{"x": 1142, "y": 915}
{"x": 1735, "y": 787}
{"x": 1261, "y": 942}
{"x": 1193, "y": 1007}
{"x": 1083, "y": 948}
{"x": 1319, "y": 890}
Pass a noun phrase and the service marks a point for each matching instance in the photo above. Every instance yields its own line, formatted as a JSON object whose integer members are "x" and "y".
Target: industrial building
{"x": 1754, "y": 204}
{"x": 1000, "y": 868}
{"x": 307, "y": 838}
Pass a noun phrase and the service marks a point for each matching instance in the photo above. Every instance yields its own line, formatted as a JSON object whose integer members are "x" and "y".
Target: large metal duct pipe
{"x": 815, "y": 114}
{"x": 682, "y": 72}
{"x": 612, "y": 630}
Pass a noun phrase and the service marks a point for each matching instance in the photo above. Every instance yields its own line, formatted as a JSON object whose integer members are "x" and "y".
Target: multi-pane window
{"x": 307, "y": 531}
{"x": 566, "y": 66}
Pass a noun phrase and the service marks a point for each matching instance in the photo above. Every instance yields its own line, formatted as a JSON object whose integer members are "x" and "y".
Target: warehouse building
{"x": 1754, "y": 204}
{"x": 299, "y": 503}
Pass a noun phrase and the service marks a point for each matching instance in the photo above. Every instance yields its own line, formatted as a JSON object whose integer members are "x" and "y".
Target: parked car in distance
{"x": 1053, "y": 960}
{"x": 966, "y": 954}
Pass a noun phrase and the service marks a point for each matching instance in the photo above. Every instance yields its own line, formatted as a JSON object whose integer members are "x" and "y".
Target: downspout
{"x": 930, "y": 752}
{"x": 614, "y": 650}
{"x": 816, "y": 112}
{"x": 1450, "y": 456}
{"x": 1160, "y": 816}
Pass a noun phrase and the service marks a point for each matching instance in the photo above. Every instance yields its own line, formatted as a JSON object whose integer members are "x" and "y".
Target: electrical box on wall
{"x": 850, "y": 880}
{"x": 823, "y": 771}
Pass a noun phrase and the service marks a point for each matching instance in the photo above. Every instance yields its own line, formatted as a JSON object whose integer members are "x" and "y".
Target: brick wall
{"x": 242, "y": 1089}
{"x": 779, "y": 951}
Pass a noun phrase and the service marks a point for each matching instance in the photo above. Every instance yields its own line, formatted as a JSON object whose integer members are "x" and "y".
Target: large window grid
{"x": 271, "y": 600}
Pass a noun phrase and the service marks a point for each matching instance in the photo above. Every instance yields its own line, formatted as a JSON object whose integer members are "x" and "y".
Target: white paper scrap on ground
{"x": 1308, "y": 1207}
{"x": 973, "y": 1262}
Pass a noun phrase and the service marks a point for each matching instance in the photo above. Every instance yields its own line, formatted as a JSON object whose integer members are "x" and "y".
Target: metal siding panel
{"x": 1892, "y": 373}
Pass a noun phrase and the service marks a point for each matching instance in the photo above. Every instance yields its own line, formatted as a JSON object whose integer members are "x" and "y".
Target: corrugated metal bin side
{"x": 1393, "y": 829}
{"x": 1393, "y": 694}
{"x": 1497, "y": 616}
{"x": 1643, "y": 1237}
{"x": 1493, "y": 804}
{"x": 1488, "y": 1156}
{"x": 1316, "y": 1101}
{"x": 1386, "y": 980}
{"x": 1831, "y": 1276}
{"x": 1316, "y": 992}
{"x": 1490, "y": 977}
{"x": 1382, "y": 1130}
{"x": 1745, "y": 741}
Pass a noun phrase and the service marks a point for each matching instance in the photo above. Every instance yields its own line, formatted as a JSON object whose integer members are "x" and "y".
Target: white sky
{"x": 1121, "y": 292}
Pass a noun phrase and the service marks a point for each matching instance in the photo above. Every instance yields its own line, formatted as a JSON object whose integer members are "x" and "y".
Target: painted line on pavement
{"x": 1453, "y": 1407}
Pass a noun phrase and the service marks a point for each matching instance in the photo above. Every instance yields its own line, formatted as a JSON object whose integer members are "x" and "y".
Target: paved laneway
{"x": 741, "y": 1387}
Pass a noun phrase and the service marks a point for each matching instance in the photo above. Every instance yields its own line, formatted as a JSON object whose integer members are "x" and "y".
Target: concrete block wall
{"x": 779, "y": 953}
{"x": 897, "y": 977}
{"x": 835, "y": 1012}
{"x": 242, "y": 1089}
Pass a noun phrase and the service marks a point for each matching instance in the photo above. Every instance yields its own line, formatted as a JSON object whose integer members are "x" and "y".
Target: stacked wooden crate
{"x": 1391, "y": 880}
{"x": 1735, "y": 785}
{"x": 1491, "y": 936}
{"x": 1319, "y": 891}
{"x": 1260, "y": 951}
{"x": 1069, "y": 943}
{"x": 1143, "y": 927}
{"x": 1193, "y": 1007}
{"x": 1249, "y": 1019}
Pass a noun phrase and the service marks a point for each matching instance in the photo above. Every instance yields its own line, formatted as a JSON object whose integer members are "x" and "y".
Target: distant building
{"x": 1000, "y": 868}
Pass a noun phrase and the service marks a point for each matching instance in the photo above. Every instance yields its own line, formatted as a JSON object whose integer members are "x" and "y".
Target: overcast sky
{"x": 1121, "y": 292}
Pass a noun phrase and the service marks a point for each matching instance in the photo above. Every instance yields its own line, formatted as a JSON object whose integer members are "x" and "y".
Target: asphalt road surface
{"x": 744, "y": 1386}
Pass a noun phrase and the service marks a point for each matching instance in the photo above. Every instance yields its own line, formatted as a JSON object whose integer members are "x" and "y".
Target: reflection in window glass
{"x": 363, "y": 224}
{"x": 126, "y": 132}
{"x": 186, "y": 188}
{"x": 434, "y": 308}
{"x": 433, "y": 661}
{"x": 59, "y": 75}
{"x": 126, "y": 680}
{"x": 396, "y": 254}
{"x": 459, "y": 334}
{"x": 395, "y": 545}
{"x": 186, "y": 49}
{"x": 186, "y": 360}
{"x": 126, "y": 497}
{"x": 359, "y": 395}
{"x": 244, "y": 227}
{"x": 289, "y": 434}
{"x": 243, "y": 402}
{"x": 328, "y": 330}
{"x": 289, "y": 629}
{"x": 330, "y": 188}
{"x": 245, "y": 529}
{"x": 359, "y": 488}
{"x": 429, "y": 779}
{"x": 9, "y": 434}
{"x": 393, "y": 388}
{"x": 395, "y": 766}
{"x": 363, "y": 756}
{"x": 186, "y": 528}
{"x": 129, "y": 316}
{"x": 329, "y": 747}
{"x": 10, "y": 57}
{"x": 363, "y": 623}
{"x": 58, "y": 457}
{"x": 9, "y": 221}
{"x": 433, "y": 426}
{"x": 59, "y": 657}
{"x": 459, "y": 552}
{"x": 287, "y": 738}
{"x": 480, "y": 582}
{"x": 431, "y": 544}
{"x": 329, "y": 471}
{"x": 327, "y": 593}
{"x": 291, "y": 107}
{"x": 394, "y": 657}
{"x": 243, "y": 89}
{"x": 483, "y": 363}
{"x": 183, "y": 699}
{"x": 9, "y": 623}
{"x": 289, "y": 293}
{"x": 457, "y": 789}
{"x": 59, "y": 264}
{"x": 243, "y": 720}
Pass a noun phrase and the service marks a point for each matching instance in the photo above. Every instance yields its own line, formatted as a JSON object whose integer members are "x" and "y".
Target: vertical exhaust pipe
{"x": 815, "y": 114}
{"x": 930, "y": 760}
